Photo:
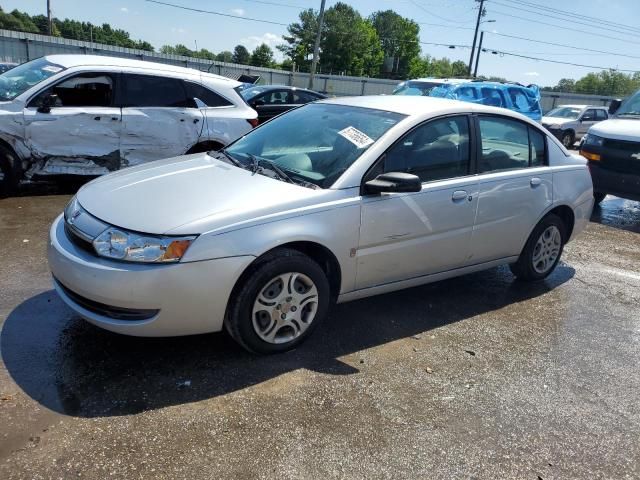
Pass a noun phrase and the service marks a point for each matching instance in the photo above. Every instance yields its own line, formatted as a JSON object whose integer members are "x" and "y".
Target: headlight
{"x": 120, "y": 244}
{"x": 591, "y": 139}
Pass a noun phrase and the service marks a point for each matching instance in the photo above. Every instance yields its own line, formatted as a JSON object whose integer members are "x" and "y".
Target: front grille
{"x": 77, "y": 240}
{"x": 617, "y": 155}
{"x": 109, "y": 311}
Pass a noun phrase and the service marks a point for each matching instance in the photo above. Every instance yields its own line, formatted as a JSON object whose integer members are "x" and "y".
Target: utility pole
{"x": 50, "y": 23}
{"x": 475, "y": 69}
{"x": 481, "y": 13}
{"x": 316, "y": 47}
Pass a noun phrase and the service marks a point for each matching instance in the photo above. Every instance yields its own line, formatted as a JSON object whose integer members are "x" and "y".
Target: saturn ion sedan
{"x": 333, "y": 201}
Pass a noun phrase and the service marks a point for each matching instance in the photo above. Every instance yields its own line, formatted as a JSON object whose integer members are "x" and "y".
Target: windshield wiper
{"x": 257, "y": 163}
{"x": 226, "y": 158}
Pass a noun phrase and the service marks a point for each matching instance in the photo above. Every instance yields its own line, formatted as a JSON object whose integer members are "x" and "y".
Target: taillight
{"x": 253, "y": 122}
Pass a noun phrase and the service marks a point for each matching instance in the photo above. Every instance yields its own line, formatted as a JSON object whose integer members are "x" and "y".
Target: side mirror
{"x": 614, "y": 106}
{"x": 393, "y": 182}
{"x": 47, "y": 102}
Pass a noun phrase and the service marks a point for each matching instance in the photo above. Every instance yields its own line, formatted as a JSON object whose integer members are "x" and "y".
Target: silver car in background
{"x": 569, "y": 123}
{"x": 334, "y": 201}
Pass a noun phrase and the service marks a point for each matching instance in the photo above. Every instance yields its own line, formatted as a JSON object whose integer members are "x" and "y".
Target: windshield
{"x": 251, "y": 92}
{"x": 415, "y": 88}
{"x": 564, "y": 112}
{"x": 631, "y": 106}
{"x": 315, "y": 143}
{"x": 19, "y": 79}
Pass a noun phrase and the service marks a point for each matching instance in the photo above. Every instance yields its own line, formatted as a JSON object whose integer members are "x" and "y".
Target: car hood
{"x": 188, "y": 195}
{"x": 618, "y": 129}
{"x": 556, "y": 120}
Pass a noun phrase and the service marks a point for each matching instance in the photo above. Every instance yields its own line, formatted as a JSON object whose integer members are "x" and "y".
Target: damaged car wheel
{"x": 9, "y": 172}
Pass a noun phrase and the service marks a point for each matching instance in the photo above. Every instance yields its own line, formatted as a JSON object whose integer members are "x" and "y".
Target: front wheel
{"x": 542, "y": 251}
{"x": 9, "y": 172}
{"x": 279, "y": 303}
{"x": 568, "y": 140}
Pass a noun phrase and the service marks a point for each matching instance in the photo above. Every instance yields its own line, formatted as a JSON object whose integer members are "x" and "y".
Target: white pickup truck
{"x": 613, "y": 150}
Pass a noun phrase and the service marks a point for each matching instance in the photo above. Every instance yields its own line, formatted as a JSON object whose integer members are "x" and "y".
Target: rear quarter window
{"x": 206, "y": 95}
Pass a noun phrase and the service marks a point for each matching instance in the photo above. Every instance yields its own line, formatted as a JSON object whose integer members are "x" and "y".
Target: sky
{"x": 449, "y": 22}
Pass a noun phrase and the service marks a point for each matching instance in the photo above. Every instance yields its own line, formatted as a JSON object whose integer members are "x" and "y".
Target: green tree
{"x": 241, "y": 55}
{"x": 301, "y": 39}
{"x": 349, "y": 43}
{"x": 262, "y": 56}
{"x": 399, "y": 38}
{"x": 225, "y": 56}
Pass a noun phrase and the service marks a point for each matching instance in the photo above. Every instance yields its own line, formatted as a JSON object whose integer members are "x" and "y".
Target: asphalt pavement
{"x": 478, "y": 377}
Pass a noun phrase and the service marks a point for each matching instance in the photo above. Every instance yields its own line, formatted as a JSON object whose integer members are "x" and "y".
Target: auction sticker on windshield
{"x": 355, "y": 136}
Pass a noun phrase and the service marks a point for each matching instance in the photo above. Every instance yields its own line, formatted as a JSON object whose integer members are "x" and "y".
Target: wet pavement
{"x": 475, "y": 377}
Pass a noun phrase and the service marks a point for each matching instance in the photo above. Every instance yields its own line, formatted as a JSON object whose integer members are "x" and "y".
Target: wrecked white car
{"x": 90, "y": 115}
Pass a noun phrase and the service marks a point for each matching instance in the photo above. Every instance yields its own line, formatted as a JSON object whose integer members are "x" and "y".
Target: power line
{"x": 564, "y": 19}
{"x": 513, "y": 54}
{"x": 596, "y": 20}
{"x": 564, "y": 45}
{"x": 565, "y": 28}
{"x": 435, "y": 15}
{"x": 210, "y": 12}
{"x": 288, "y": 5}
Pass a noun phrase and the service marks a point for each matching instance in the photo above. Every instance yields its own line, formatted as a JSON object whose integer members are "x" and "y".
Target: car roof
{"x": 582, "y": 106}
{"x": 69, "y": 61}
{"x": 281, "y": 87}
{"x": 419, "y": 105}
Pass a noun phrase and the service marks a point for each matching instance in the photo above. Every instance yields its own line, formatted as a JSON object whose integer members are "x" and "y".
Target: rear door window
{"x": 601, "y": 115}
{"x": 509, "y": 144}
{"x": 154, "y": 91}
{"x": 492, "y": 97}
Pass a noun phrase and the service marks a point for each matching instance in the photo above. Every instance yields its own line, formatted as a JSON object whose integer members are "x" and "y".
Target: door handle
{"x": 459, "y": 195}
{"x": 535, "y": 181}
{"x": 97, "y": 119}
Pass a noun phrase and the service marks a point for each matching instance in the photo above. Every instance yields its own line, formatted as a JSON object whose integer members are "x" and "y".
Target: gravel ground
{"x": 475, "y": 377}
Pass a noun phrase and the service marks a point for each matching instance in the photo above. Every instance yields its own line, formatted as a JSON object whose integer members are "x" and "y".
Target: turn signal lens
{"x": 253, "y": 122}
{"x": 176, "y": 250}
{"x": 594, "y": 157}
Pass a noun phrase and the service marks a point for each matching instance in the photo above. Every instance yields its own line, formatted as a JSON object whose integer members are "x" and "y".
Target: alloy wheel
{"x": 547, "y": 249}
{"x": 285, "y": 307}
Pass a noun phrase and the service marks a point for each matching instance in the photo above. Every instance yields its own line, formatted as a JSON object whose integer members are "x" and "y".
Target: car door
{"x": 158, "y": 119}
{"x": 405, "y": 235}
{"x": 74, "y": 126}
{"x": 514, "y": 183}
{"x": 272, "y": 103}
{"x": 585, "y": 121}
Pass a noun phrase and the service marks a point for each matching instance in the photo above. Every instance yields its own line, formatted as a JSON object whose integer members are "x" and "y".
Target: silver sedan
{"x": 334, "y": 201}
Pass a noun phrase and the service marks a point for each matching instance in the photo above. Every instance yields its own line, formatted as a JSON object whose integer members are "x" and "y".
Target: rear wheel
{"x": 598, "y": 197}
{"x": 279, "y": 303}
{"x": 542, "y": 251}
{"x": 9, "y": 172}
{"x": 568, "y": 139}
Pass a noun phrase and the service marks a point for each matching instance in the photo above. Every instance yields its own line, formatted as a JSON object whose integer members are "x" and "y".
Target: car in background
{"x": 612, "y": 148}
{"x": 91, "y": 115}
{"x": 569, "y": 123}
{"x": 272, "y": 100}
{"x": 423, "y": 86}
{"x": 512, "y": 96}
{"x": 337, "y": 200}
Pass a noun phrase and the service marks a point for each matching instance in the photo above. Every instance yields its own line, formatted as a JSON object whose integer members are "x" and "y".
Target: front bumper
{"x": 625, "y": 185}
{"x": 138, "y": 299}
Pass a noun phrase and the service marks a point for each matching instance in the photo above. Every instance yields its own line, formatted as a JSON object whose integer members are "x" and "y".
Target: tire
{"x": 598, "y": 197}
{"x": 568, "y": 139}
{"x": 9, "y": 172}
{"x": 549, "y": 237}
{"x": 278, "y": 303}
